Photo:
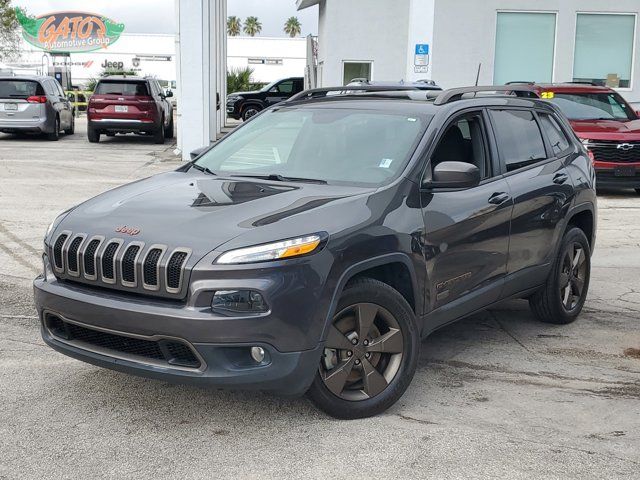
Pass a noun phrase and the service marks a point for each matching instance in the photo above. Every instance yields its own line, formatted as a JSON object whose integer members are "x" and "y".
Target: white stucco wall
{"x": 465, "y": 34}
{"x": 362, "y": 30}
{"x": 292, "y": 52}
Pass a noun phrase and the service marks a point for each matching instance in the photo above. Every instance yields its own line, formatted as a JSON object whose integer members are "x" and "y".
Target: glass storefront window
{"x": 604, "y": 49}
{"x": 524, "y": 47}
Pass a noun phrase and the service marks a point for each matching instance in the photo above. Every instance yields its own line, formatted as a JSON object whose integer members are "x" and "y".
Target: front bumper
{"x": 290, "y": 333}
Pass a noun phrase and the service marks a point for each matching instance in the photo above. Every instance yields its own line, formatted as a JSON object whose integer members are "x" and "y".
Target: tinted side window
{"x": 519, "y": 138}
{"x": 555, "y": 134}
{"x": 286, "y": 87}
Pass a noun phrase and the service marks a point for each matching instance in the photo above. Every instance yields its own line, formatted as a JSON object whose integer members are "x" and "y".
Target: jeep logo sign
{"x": 69, "y": 31}
{"x": 128, "y": 230}
{"x": 112, "y": 65}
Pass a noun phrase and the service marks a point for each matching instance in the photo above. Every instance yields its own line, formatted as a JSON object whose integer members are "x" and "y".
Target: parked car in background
{"x": 124, "y": 104}
{"x": 34, "y": 104}
{"x": 608, "y": 126}
{"x": 244, "y": 105}
{"x": 311, "y": 249}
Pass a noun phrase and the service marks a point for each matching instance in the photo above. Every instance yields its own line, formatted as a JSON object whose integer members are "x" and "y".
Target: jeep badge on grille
{"x": 128, "y": 230}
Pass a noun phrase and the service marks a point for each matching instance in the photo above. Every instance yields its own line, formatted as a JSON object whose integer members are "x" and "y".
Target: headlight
{"x": 586, "y": 142}
{"x": 272, "y": 251}
{"x": 234, "y": 98}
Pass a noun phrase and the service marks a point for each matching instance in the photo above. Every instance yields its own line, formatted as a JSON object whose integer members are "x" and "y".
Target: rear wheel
{"x": 158, "y": 135}
{"x": 55, "y": 135}
{"x": 562, "y": 298}
{"x": 250, "y": 111}
{"x": 72, "y": 126}
{"x": 371, "y": 352}
{"x": 168, "y": 131}
{"x": 93, "y": 135}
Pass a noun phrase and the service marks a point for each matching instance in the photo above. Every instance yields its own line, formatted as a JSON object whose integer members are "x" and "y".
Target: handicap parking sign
{"x": 422, "y": 54}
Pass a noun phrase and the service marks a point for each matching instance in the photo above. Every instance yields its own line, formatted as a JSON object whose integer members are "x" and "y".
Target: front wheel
{"x": 250, "y": 111}
{"x": 561, "y": 300}
{"x": 168, "y": 131}
{"x": 371, "y": 352}
{"x": 158, "y": 135}
{"x": 72, "y": 126}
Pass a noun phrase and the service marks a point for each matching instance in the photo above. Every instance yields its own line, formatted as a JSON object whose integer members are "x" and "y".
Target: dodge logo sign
{"x": 625, "y": 146}
{"x": 128, "y": 230}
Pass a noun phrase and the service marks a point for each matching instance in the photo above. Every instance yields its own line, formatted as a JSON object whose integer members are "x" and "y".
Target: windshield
{"x": 122, "y": 88}
{"x": 336, "y": 145}
{"x": 594, "y": 106}
{"x": 19, "y": 88}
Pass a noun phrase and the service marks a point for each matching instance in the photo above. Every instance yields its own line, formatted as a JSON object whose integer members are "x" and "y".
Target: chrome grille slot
{"x": 89, "y": 258}
{"x": 173, "y": 272}
{"x": 613, "y": 151}
{"x": 129, "y": 264}
{"x": 108, "y": 261}
{"x": 72, "y": 255}
{"x": 58, "y": 259}
{"x": 151, "y": 268}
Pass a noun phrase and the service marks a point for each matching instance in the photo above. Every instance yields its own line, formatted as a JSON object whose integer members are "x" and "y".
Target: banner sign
{"x": 69, "y": 31}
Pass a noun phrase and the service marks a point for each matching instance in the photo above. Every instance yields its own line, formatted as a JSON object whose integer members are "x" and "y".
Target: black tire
{"x": 369, "y": 292}
{"x": 638, "y": 191}
{"x": 93, "y": 135}
{"x": 549, "y": 304}
{"x": 55, "y": 135}
{"x": 250, "y": 111}
{"x": 168, "y": 131}
{"x": 158, "y": 135}
{"x": 72, "y": 128}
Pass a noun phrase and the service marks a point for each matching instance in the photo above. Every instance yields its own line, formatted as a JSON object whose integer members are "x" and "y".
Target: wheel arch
{"x": 394, "y": 269}
{"x": 583, "y": 217}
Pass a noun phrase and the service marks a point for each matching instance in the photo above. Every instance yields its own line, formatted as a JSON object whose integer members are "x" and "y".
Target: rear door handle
{"x": 499, "y": 198}
{"x": 560, "y": 178}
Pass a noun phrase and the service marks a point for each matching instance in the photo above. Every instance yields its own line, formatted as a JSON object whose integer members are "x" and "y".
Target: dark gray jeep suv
{"x": 314, "y": 247}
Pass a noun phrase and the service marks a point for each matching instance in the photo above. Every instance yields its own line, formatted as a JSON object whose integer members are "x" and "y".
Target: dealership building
{"x": 506, "y": 40}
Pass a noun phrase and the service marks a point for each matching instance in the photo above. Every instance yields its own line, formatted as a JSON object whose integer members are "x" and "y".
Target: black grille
{"x": 150, "y": 271}
{"x": 174, "y": 269}
{"x": 172, "y": 352}
{"x": 107, "y": 260}
{"x": 609, "y": 152}
{"x": 57, "y": 250}
{"x": 72, "y": 255}
{"x": 89, "y": 257}
{"x": 129, "y": 263}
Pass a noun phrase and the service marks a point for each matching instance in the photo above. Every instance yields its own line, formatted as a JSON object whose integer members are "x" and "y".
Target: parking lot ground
{"x": 497, "y": 395}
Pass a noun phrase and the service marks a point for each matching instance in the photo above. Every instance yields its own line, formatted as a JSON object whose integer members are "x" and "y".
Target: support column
{"x": 198, "y": 64}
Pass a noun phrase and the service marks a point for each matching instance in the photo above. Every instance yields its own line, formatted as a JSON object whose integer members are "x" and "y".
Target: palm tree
{"x": 234, "y": 26}
{"x": 252, "y": 26}
{"x": 292, "y": 27}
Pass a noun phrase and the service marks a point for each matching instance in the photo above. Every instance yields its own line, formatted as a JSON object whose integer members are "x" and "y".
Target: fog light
{"x": 238, "y": 301}
{"x": 257, "y": 353}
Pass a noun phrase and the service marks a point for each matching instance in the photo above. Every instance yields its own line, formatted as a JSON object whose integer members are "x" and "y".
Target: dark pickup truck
{"x": 244, "y": 105}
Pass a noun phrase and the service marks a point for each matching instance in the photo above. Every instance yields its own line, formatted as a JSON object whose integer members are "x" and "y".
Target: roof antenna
{"x": 478, "y": 74}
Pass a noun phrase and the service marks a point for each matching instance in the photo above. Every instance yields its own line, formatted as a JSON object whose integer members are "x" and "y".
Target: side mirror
{"x": 197, "y": 152}
{"x": 454, "y": 175}
{"x": 168, "y": 94}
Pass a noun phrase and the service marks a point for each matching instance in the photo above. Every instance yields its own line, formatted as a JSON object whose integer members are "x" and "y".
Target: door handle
{"x": 499, "y": 198}
{"x": 560, "y": 178}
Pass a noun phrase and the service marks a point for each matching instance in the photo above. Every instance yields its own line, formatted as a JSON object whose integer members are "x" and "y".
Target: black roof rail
{"x": 520, "y": 82}
{"x": 346, "y": 90}
{"x": 593, "y": 84}
{"x": 454, "y": 94}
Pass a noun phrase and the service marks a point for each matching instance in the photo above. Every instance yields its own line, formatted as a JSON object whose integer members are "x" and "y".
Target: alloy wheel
{"x": 363, "y": 352}
{"x": 573, "y": 276}
{"x": 250, "y": 112}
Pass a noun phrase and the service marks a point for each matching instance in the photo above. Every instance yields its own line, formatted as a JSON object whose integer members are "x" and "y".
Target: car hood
{"x": 607, "y": 129}
{"x": 202, "y": 212}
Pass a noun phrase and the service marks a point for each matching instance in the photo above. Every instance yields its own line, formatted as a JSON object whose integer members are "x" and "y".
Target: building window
{"x": 356, "y": 70}
{"x": 604, "y": 49}
{"x": 524, "y": 47}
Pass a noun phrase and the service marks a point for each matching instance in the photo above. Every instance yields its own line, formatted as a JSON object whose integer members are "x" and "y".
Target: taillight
{"x": 37, "y": 99}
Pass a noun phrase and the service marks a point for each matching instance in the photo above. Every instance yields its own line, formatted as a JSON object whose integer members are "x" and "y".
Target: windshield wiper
{"x": 281, "y": 178}
{"x": 204, "y": 169}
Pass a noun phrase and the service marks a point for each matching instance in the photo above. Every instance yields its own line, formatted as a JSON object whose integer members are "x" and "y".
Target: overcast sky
{"x": 158, "y": 16}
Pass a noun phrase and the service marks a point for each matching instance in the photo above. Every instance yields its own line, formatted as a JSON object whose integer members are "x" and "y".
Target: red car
{"x": 123, "y": 104}
{"x": 607, "y": 125}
